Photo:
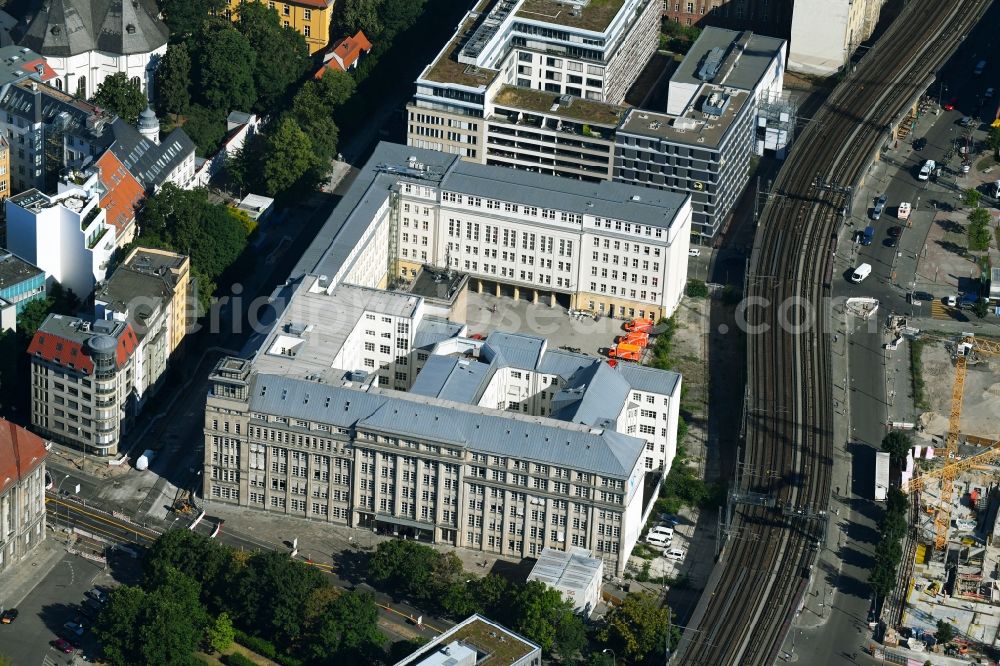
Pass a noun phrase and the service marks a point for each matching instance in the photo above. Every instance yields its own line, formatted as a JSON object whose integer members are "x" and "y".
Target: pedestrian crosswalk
{"x": 941, "y": 311}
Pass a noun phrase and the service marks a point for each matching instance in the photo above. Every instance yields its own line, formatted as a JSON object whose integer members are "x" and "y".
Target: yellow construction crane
{"x": 954, "y": 468}
{"x": 963, "y": 350}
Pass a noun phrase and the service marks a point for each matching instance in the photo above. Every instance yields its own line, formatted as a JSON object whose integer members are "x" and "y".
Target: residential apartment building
{"x": 22, "y": 494}
{"x": 594, "y": 51}
{"x": 86, "y": 41}
{"x": 83, "y": 382}
{"x": 825, "y": 33}
{"x": 703, "y": 143}
{"x": 148, "y": 291}
{"x": 20, "y": 284}
{"x": 476, "y": 635}
{"x": 66, "y": 235}
{"x": 768, "y": 17}
{"x": 310, "y": 18}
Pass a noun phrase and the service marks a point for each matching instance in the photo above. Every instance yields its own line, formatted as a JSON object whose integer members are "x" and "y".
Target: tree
{"x": 220, "y": 634}
{"x": 882, "y": 579}
{"x": 335, "y": 88}
{"x": 185, "y": 17}
{"x": 637, "y": 628}
{"x": 993, "y": 141}
{"x": 289, "y": 157}
{"x": 600, "y": 658}
{"x": 897, "y": 444}
{"x": 245, "y": 164}
{"x": 116, "y": 627}
{"x": 348, "y": 631}
{"x": 172, "y": 623}
{"x": 206, "y": 127}
{"x": 979, "y": 229}
{"x": 696, "y": 289}
{"x": 173, "y": 78}
{"x": 406, "y": 567}
{"x": 945, "y": 632}
{"x": 357, "y": 15}
{"x": 490, "y": 592}
{"x": 540, "y": 613}
{"x": 395, "y": 16}
{"x": 226, "y": 66}
{"x": 971, "y": 197}
{"x": 116, "y": 93}
{"x": 282, "y": 53}
{"x": 279, "y": 588}
{"x": 981, "y": 308}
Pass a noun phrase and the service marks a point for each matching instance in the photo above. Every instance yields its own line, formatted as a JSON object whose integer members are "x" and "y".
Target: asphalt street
{"x": 831, "y": 628}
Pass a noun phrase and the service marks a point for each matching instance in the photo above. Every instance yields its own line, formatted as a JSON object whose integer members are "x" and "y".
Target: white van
{"x": 860, "y": 273}
{"x": 656, "y": 539}
{"x": 676, "y": 554}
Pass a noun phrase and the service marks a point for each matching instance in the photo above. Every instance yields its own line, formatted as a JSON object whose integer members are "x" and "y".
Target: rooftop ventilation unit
{"x": 710, "y": 65}
{"x": 715, "y": 104}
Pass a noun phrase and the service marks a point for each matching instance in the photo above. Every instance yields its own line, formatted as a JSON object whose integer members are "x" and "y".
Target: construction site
{"x": 953, "y": 479}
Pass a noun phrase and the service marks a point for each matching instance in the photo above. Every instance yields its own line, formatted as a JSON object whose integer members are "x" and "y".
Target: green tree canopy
{"x": 206, "y": 127}
{"x": 116, "y": 93}
{"x": 945, "y": 632}
{"x": 219, "y": 633}
{"x": 354, "y": 15}
{"x": 979, "y": 229}
{"x": 637, "y": 628}
{"x": 173, "y": 80}
{"x": 981, "y": 308}
{"x": 540, "y": 613}
{"x": 289, "y": 156}
{"x": 971, "y": 197}
{"x": 282, "y": 55}
{"x": 226, "y": 66}
{"x": 897, "y": 444}
{"x": 186, "y": 17}
{"x": 273, "y": 593}
{"x": 993, "y": 141}
{"x": 348, "y": 631}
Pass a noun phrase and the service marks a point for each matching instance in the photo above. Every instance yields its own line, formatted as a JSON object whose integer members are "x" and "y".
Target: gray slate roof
{"x": 347, "y": 223}
{"x": 148, "y": 162}
{"x": 432, "y": 330}
{"x": 44, "y": 104}
{"x": 536, "y": 439}
{"x": 592, "y": 396}
{"x": 514, "y": 349}
{"x": 451, "y": 378}
{"x": 61, "y": 28}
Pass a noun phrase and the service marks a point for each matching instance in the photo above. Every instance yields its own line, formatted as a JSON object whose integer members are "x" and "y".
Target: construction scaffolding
{"x": 777, "y": 116}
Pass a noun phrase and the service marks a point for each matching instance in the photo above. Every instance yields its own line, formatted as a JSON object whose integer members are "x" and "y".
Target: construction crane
{"x": 954, "y": 468}
{"x": 968, "y": 345}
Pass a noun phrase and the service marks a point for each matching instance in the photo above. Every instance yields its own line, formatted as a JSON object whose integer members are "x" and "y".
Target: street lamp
{"x": 614, "y": 657}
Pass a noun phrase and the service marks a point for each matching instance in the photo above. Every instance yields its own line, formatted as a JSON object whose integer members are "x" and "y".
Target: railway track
{"x": 767, "y": 566}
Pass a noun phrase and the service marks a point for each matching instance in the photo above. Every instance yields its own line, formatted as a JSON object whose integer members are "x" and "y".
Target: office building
{"x": 825, "y": 33}
{"x": 66, "y": 235}
{"x": 86, "y": 41}
{"x": 310, "y": 18}
{"x": 476, "y": 641}
{"x": 149, "y": 291}
{"x": 20, "y": 284}
{"x": 82, "y": 382}
{"x": 703, "y": 142}
{"x": 371, "y": 409}
{"x": 591, "y": 50}
{"x": 4, "y": 168}
{"x": 574, "y": 573}
{"x": 22, "y": 494}
{"x": 616, "y": 249}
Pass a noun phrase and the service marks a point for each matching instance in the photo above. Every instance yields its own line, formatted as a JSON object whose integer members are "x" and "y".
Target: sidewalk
{"x": 18, "y": 581}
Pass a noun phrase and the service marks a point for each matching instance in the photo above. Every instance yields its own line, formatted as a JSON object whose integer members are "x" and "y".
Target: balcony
{"x": 89, "y": 217}
{"x": 97, "y": 239}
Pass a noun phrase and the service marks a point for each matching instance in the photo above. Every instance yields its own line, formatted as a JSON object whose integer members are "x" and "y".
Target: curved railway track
{"x": 788, "y": 443}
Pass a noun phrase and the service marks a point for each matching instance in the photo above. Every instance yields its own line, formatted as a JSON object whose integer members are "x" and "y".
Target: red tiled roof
{"x": 123, "y": 193}
{"x": 60, "y": 350}
{"x": 319, "y": 4}
{"x": 69, "y": 353}
{"x": 21, "y": 452}
{"x": 31, "y": 67}
{"x": 346, "y": 52}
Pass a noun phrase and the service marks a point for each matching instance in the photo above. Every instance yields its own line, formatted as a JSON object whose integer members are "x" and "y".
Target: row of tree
{"x": 889, "y": 550}
{"x": 198, "y": 594}
{"x": 636, "y": 630}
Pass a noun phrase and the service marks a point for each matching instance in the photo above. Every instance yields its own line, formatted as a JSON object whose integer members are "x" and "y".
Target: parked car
{"x": 657, "y": 540}
{"x": 965, "y": 121}
{"x": 669, "y": 519}
{"x": 668, "y": 532}
{"x": 91, "y": 608}
{"x": 63, "y": 645}
{"x": 950, "y": 300}
{"x": 97, "y": 594}
{"x": 951, "y": 104}
{"x": 989, "y": 93}
{"x": 8, "y": 616}
{"x": 676, "y": 554}
{"x": 74, "y": 628}
{"x": 926, "y": 169}
{"x": 895, "y": 232}
{"x": 919, "y": 144}
{"x": 980, "y": 67}
{"x": 879, "y": 207}
{"x": 694, "y": 252}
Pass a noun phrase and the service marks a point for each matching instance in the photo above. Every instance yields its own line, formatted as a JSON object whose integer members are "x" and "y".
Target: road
{"x": 843, "y": 598}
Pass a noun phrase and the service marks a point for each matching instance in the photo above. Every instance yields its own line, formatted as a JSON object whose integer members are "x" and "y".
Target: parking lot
{"x": 58, "y": 598}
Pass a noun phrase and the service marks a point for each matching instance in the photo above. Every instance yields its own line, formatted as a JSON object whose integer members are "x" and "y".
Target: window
{"x": 306, "y": 32}
{"x": 308, "y": 17}
{"x": 286, "y": 10}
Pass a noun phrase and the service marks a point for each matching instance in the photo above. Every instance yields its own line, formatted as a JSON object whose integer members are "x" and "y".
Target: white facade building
{"x": 826, "y": 32}
{"x": 66, "y": 235}
{"x": 85, "y": 41}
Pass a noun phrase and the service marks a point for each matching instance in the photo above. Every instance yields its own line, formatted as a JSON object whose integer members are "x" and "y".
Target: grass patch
{"x": 916, "y": 374}
{"x": 696, "y": 289}
{"x": 987, "y": 162}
